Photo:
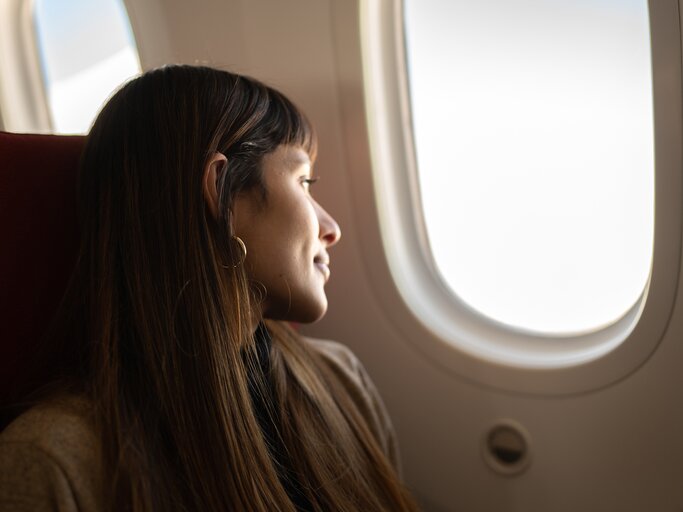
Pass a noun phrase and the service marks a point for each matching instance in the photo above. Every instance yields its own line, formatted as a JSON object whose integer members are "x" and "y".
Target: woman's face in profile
{"x": 287, "y": 237}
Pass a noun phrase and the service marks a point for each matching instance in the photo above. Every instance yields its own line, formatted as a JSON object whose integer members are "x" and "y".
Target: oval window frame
{"x": 22, "y": 96}
{"x": 448, "y": 331}
{"x": 23, "y": 91}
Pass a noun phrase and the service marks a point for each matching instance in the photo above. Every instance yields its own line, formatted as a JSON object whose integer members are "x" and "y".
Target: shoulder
{"x": 50, "y": 458}
{"x": 357, "y": 382}
{"x": 339, "y": 357}
{"x": 350, "y": 371}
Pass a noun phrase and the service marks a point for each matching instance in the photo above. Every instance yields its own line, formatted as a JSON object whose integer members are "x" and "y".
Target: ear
{"x": 212, "y": 173}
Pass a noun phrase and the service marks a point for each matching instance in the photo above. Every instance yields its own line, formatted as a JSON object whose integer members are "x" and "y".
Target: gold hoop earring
{"x": 243, "y": 248}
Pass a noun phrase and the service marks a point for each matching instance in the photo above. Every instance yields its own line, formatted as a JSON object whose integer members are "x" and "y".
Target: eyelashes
{"x": 307, "y": 182}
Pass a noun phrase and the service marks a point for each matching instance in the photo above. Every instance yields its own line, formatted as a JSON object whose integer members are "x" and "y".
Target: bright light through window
{"x": 87, "y": 51}
{"x": 534, "y": 136}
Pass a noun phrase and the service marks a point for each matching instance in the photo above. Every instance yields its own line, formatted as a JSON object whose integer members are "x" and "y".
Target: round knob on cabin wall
{"x": 506, "y": 447}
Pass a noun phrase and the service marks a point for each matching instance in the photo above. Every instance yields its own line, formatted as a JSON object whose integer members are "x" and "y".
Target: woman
{"x": 197, "y": 226}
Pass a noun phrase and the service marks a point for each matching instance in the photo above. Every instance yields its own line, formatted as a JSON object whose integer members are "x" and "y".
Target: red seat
{"x": 38, "y": 243}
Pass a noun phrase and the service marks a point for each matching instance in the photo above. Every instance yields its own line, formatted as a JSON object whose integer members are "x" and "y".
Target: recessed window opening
{"x": 533, "y": 129}
{"x": 87, "y": 50}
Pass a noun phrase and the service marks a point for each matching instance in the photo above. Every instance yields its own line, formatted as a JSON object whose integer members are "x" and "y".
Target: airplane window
{"x": 87, "y": 50}
{"x": 533, "y": 129}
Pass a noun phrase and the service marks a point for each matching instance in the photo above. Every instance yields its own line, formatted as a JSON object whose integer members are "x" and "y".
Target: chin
{"x": 304, "y": 312}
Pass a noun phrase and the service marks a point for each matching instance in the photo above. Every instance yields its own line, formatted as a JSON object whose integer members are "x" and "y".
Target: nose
{"x": 329, "y": 229}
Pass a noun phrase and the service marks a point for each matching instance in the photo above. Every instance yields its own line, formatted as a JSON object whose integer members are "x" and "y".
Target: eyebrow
{"x": 298, "y": 159}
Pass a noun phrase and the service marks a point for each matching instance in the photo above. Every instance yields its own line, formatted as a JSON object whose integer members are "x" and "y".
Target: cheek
{"x": 273, "y": 254}
{"x": 281, "y": 238}
{"x": 293, "y": 232}
{"x": 309, "y": 221}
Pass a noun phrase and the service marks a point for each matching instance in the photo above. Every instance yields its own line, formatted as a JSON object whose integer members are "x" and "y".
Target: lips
{"x": 322, "y": 263}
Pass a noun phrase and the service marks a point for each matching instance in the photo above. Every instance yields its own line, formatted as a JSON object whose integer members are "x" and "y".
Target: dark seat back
{"x": 38, "y": 244}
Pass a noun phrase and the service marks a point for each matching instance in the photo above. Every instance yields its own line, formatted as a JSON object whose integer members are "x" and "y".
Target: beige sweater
{"x": 50, "y": 455}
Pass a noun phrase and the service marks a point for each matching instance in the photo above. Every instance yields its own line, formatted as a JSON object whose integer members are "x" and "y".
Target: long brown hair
{"x": 163, "y": 315}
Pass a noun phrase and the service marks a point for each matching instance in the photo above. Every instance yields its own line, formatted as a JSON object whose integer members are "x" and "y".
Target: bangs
{"x": 289, "y": 125}
{"x": 267, "y": 120}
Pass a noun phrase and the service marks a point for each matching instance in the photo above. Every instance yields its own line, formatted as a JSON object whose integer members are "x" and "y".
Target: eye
{"x": 307, "y": 182}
